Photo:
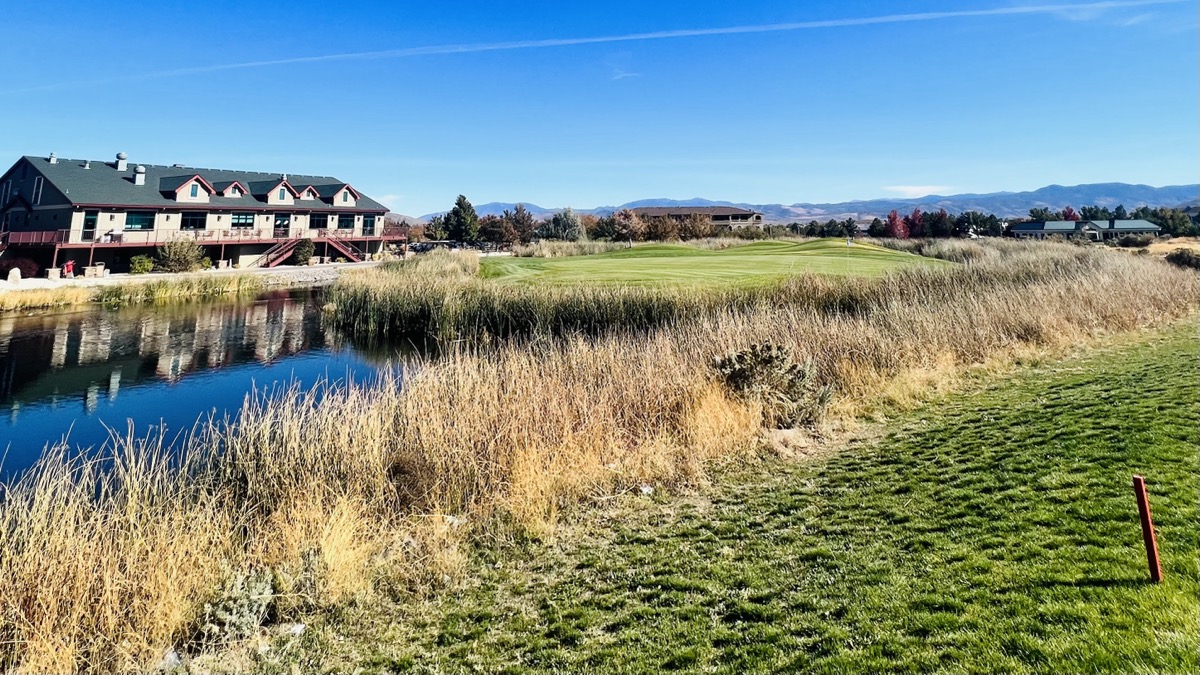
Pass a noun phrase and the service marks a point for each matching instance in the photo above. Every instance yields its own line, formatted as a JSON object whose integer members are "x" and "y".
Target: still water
{"x": 75, "y": 376}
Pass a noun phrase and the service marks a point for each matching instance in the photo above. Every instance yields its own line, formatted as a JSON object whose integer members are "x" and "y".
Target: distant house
{"x": 54, "y": 209}
{"x": 1096, "y": 230}
{"x": 725, "y": 216}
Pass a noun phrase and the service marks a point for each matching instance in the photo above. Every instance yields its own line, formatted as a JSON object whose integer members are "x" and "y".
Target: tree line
{"x": 1171, "y": 221}
{"x": 518, "y": 226}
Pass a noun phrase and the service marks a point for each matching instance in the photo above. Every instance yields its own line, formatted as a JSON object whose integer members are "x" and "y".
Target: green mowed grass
{"x": 991, "y": 531}
{"x": 759, "y": 262}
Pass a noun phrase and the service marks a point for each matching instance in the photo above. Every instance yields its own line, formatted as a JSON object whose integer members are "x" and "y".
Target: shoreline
{"x": 269, "y": 277}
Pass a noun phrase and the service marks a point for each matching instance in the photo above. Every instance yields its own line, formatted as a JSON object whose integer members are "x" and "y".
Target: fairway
{"x": 756, "y": 263}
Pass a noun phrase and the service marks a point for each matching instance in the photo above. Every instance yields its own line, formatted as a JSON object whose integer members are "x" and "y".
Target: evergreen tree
{"x": 938, "y": 224}
{"x": 462, "y": 223}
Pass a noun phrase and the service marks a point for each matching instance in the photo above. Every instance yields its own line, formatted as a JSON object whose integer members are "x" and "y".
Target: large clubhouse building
{"x": 724, "y": 216}
{"x": 1095, "y": 230}
{"x": 54, "y": 209}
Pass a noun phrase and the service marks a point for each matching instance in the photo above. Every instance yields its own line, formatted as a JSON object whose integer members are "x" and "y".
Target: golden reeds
{"x": 372, "y": 488}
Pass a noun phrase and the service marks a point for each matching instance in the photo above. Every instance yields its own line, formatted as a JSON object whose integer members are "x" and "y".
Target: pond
{"x": 78, "y": 376}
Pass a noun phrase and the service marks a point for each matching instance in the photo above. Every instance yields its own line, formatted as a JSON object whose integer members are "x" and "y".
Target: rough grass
{"x": 561, "y": 249}
{"x": 991, "y": 532}
{"x": 369, "y": 494}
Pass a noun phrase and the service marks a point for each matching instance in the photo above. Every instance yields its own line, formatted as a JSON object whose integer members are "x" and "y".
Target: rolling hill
{"x": 1003, "y": 204}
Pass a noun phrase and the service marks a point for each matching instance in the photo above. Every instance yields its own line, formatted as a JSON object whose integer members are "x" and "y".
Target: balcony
{"x": 77, "y": 239}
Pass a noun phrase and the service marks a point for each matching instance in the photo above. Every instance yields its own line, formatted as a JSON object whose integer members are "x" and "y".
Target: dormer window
{"x": 282, "y": 194}
{"x": 195, "y": 192}
{"x": 235, "y": 192}
{"x": 345, "y": 196}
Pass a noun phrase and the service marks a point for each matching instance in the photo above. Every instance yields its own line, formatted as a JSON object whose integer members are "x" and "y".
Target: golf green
{"x": 759, "y": 262}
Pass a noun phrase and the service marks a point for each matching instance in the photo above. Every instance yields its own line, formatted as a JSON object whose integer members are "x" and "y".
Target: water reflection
{"x": 78, "y": 374}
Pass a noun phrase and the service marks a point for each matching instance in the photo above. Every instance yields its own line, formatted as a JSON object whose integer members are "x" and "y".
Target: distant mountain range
{"x": 1003, "y": 204}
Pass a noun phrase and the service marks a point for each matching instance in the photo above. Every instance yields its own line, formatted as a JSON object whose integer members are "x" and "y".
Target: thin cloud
{"x": 1135, "y": 20}
{"x": 619, "y": 74}
{"x": 914, "y": 191}
{"x": 1074, "y": 11}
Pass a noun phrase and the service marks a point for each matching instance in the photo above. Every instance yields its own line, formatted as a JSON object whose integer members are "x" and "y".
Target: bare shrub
{"x": 787, "y": 389}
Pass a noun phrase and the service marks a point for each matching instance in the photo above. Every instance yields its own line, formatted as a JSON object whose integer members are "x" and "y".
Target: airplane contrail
{"x": 469, "y": 48}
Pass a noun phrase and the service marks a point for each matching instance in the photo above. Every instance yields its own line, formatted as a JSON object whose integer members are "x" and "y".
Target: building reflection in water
{"x": 89, "y": 356}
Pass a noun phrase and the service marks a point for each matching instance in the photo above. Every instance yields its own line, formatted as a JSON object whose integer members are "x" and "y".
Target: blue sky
{"x": 602, "y": 103}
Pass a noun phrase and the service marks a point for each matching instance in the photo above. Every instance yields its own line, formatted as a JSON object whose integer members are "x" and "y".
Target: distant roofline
{"x": 214, "y": 206}
{"x": 269, "y": 174}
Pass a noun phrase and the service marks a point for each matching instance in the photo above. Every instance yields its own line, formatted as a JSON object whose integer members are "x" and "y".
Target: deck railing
{"x": 204, "y": 237}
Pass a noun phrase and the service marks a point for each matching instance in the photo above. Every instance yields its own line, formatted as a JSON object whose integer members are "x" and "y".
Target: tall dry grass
{"x": 12, "y": 301}
{"x": 562, "y": 249}
{"x": 374, "y": 488}
{"x": 160, "y": 290}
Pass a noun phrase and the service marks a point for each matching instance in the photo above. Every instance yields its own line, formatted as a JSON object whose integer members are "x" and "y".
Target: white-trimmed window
{"x": 139, "y": 220}
{"x": 37, "y": 190}
{"x": 193, "y": 220}
{"x": 241, "y": 219}
{"x": 195, "y": 191}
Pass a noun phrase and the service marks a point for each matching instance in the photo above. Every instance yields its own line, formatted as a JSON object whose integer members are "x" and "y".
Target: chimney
{"x": 53, "y": 159}
{"x": 121, "y": 163}
{"x": 87, "y": 164}
{"x": 139, "y": 175}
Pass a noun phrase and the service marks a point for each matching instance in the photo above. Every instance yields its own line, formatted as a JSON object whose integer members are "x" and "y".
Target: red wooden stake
{"x": 1143, "y": 502}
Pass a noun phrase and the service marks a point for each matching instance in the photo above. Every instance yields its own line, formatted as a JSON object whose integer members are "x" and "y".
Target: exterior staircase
{"x": 276, "y": 254}
{"x": 347, "y": 248}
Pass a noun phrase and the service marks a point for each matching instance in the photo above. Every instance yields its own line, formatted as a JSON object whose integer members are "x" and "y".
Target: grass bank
{"x": 181, "y": 288}
{"x": 988, "y": 532}
{"x": 371, "y": 493}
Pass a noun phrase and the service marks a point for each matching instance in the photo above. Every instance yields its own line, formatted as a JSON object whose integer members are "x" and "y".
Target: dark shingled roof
{"x": 1071, "y": 225}
{"x": 103, "y": 184}
{"x": 689, "y": 210}
{"x": 1047, "y": 226}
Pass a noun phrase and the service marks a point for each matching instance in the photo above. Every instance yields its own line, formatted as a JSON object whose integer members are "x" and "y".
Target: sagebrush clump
{"x": 1184, "y": 257}
{"x": 787, "y": 388}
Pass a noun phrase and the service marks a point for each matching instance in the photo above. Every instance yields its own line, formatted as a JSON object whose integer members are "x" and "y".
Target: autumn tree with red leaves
{"x": 895, "y": 226}
{"x": 915, "y": 223}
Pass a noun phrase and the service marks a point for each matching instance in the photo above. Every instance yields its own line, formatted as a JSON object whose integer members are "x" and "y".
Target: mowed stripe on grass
{"x": 756, "y": 263}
